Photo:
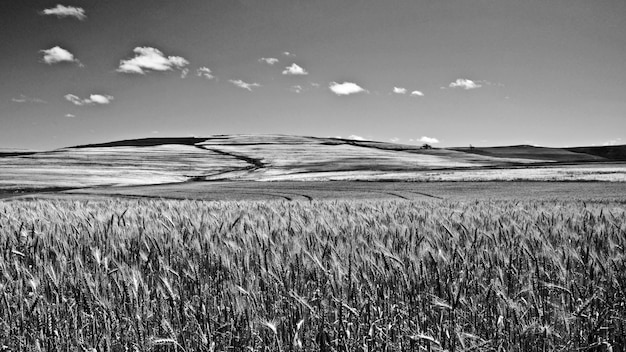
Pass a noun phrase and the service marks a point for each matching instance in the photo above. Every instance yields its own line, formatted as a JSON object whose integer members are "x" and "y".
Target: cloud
{"x": 241, "y": 84}
{"x": 66, "y": 11}
{"x": 286, "y": 53}
{"x": 24, "y": 99}
{"x": 269, "y": 60}
{"x": 394, "y": 139}
{"x": 613, "y": 142}
{"x": 355, "y": 137}
{"x": 345, "y": 88}
{"x": 58, "y": 54}
{"x": 399, "y": 90}
{"x": 295, "y": 70}
{"x": 417, "y": 93}
{"x": 205, "y": 72}
{"x": 429, "y": 140}
{"x": 151, "y": 59}
{"x": 184, "y": 72}
{"x": 296, "y": 89}
{"x": 70, "y": 115}
{"x": 93, "y": 99}
{"x": 465, "y": 84}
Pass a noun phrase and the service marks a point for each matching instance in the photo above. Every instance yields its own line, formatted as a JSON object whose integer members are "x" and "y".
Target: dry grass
{"x": 122, "y": 275}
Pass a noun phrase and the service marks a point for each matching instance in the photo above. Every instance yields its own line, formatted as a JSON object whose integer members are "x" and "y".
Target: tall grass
{"x": 145, "y": 275}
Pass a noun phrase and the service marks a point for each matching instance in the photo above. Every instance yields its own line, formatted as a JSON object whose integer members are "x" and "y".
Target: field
{"x": 117, "y": 274}
{"x": 152, "y": 161}
{"x": 288, "y": 243}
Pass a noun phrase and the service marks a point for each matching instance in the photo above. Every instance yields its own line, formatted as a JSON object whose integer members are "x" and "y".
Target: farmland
{"x": 280, "y": 158}
{"x": 355, "y": 275}
{"x": 287, "y": 243}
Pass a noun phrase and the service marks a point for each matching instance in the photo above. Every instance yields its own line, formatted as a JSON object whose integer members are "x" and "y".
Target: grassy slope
{"x": 532, "y": 152}
{"x": 611, "y": 152}
{"x": 263, "y": 157}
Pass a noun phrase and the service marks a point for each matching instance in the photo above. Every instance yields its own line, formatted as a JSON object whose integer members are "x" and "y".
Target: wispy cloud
{"x": 346, "y": 88}
{"x": 269, "y": 60}
{"x": 355, "y": 137}
{"x": 24, "y": 99}
{"x": 70, "y": 115}
{"x": 417, "y": 93}
{"x": 151, "y": 59}
{"x": 615, "y": 141}
{"x": 287, "y": 53}
{"x": 429, "y": 140}
{"x": 297, "y": 89}
{"x": 295, "y": 70}
{"x": 394, "y": 140}
{"x": 66, "y": 11}
{"x": 205, "y": 72}
{"x": 57, "y": 54}
{"x": 244, "y": 85}
{"x": 465, "y": 84}
{"x": 93, "y": 99}
{"x": 399, "y": 90}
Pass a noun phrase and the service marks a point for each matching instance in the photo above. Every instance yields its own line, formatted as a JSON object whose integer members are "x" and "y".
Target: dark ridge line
{"x": 13, "y": 154}
{"x": 144, "y": 142}
{"x": 397, "y": 195}
{"x": 256, "y": 163}
{"x": 426, "y": 194}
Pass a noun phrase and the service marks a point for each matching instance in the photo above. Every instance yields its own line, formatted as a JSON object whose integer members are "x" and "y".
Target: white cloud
{"x": 296, "y": 89}
{"x": 100, "y": 99}
{"x": 66, "y": 11}
{"x": 241, "y": 84}
{"x": 205, "y": 72}
{"x": 93, "y": 99}
{"x": 58, "y": 54}
{"x": 616, "y": 141}
{"x": 345, "y": 88}
{"x": 417, "y": 93}
{"x": 151, "y": 59}
{"x": 70, "y": 115}
{"x": 429, "y": 140}
{"x": 394, "y": 139}
{"x": 184, "y": 72}
{"x": 24, "y": 99}
{"x": 295, "y": 70}
{"x": 465, "y": 84}
{"x": 287, "y": 53}
{"x": 399, "y": 90}
{"x": 315, "y": 84}
{"x": 269, "y": 60}
{"x": 355, "y": 137}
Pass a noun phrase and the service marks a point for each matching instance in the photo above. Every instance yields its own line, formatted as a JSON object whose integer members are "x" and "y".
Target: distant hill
{"x": 292, "y": 158}
{"x": 610, "y": 152}
{"x": 538, "y": 153}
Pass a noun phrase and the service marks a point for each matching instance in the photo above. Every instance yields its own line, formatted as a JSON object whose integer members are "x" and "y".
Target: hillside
{"x": 540, "y": 153}
{"x": 289, "y": 158}
{"x": 610, "y": 152}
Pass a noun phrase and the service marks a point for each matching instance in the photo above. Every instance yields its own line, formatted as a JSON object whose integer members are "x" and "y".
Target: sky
{"x": 445, "y": 72}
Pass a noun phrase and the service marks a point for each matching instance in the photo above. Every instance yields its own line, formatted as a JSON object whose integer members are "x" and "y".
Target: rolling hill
{"x": 293, "y": 158}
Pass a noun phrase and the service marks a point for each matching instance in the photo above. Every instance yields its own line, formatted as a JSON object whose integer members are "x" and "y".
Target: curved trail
{"x": 426, "y": 195}
{"x": 255, "y": 163}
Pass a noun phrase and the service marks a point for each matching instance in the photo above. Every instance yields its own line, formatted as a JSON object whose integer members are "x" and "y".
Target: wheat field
{"x": 368, "y": 275}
